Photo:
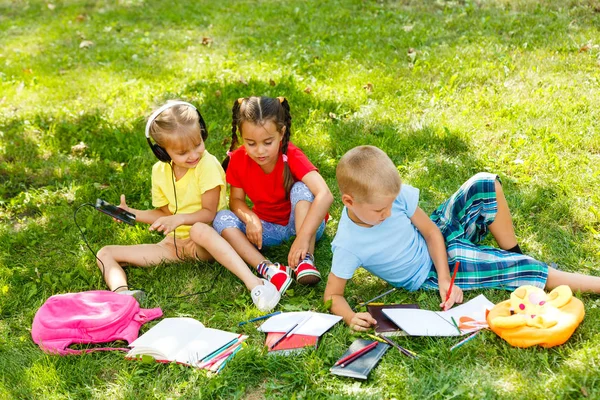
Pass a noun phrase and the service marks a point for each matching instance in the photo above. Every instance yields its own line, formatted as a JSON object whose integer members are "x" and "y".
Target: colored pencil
{"x": 402, "y": 350}
{"x": 457, "y": 345}
{"x": 452, "y": 281}
{"x": 375, "y": 298}
{"x": 259, "y": 318}
{"x": 376, "y": 338}
{"x": 228, "y": 358}
{"x": 456, "y": 325}
{"x": 284, "y": 336}
{"x": 351, "y": 357}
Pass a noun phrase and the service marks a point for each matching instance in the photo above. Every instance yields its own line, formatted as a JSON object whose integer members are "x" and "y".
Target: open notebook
{"x": 470, "y": 317}
{"x": 303, "y": 322}
{"x": 186, "y": 341}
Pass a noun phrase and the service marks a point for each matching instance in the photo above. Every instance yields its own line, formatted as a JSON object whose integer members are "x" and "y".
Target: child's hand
{"x": 254, "y": 232}
{"x": 166, "y": 224}
{"x": 297, "y": 251}
{"x": 456, "y": 296}
{"x": 362, "y": 322}
{"x": 124, "y": 206}
{"x": 123, "y": 203}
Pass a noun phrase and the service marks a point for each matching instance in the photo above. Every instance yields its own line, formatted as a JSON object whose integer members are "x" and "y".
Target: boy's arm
{"x": 317, "y": 211}
{"x": 339, "y": 306}
{"x": 437, "y": 250}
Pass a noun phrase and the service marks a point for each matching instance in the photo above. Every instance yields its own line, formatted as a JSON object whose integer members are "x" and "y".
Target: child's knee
{"x": 226, "y": 219}
{"x": 200, "y": 231}
{"x": 103, "y": 255}
{"x": 300, "y": 192}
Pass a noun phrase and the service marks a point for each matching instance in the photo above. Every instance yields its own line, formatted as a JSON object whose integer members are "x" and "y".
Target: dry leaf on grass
{"x": 85, "y": 44}
{"x": 206, "y": 41}
{"x": 243, "y": 81}
{"x": 79, "y": 148}
{"x": 217, "y": 93}
{"x": 272, "y": 82}
{"x": 368, "y": 87}
{"x": 307, "y": 89}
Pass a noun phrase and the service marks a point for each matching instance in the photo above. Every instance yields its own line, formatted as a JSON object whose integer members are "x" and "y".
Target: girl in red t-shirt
{"x": 289, "y": 195}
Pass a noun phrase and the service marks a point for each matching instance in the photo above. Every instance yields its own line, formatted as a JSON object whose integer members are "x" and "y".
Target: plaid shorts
{"x": 463, "y": 220}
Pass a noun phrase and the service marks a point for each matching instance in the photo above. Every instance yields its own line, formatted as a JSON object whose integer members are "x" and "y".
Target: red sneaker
{"x": 278, "y": 277}
{"x": 306, "y": 272}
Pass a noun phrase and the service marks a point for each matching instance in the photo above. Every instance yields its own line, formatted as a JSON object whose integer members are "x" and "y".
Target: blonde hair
{"x": 176, "y": 125}
{"x": 365, "y": 171}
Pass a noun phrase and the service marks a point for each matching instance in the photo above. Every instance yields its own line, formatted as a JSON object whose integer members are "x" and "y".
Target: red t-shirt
{"x": 266, "y": 191}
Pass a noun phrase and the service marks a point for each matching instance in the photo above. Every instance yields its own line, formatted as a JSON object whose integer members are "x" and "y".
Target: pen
{"x": 284, "y": 336}
{"x": 457, "y": 345}
{"x": 400, "y": 348}
{"x": 351, "y": 357}
{"x": 375, "y": 298}
{"x": 456, "y": 325}
{"x": 452, "y": 281}
{"x": 259, "y": 318}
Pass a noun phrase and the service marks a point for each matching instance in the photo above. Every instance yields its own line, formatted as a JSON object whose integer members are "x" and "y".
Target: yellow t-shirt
{"x": 207, "y": 175}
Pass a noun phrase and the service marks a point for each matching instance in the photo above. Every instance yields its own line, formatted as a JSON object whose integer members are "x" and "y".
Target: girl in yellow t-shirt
{"x": 188, "y": 189}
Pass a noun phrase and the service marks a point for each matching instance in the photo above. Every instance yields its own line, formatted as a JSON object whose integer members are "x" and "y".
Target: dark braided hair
{"x": 259, "y": 110}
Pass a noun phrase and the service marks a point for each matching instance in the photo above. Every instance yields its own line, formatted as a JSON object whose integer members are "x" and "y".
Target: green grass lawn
{"x": 446, "y": 88}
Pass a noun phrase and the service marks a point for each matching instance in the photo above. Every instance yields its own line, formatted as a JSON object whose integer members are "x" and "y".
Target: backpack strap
{"x": 148, "y": 314}
{"x": 68, "y": 351}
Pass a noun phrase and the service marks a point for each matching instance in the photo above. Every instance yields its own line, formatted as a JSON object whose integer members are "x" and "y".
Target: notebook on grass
{"x": 302, "y": 323}
{"x": 290, "y": 345}
{"x": 439, "y": 323}
{"x": 362, "y": 366}
{"x": 386, "y": 326}
{"x": 186, "y": 341}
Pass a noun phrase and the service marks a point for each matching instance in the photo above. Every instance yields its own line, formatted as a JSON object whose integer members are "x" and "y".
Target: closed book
{"x": 361, "y": 366}
{"x": 386, "y": 326}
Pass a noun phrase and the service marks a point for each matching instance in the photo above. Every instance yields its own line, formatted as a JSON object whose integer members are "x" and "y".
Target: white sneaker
{"x": 265, "y": 296}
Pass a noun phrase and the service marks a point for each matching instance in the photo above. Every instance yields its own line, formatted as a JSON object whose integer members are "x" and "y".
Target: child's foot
{"x": 265, "y": 296}
{"x": 136, "y": 294}
{"x": 306, "y": 272}
{"x": 275, "y": 275}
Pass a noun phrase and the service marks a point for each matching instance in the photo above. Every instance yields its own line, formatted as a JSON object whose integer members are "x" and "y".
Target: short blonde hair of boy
{"x": 366, "y": 171}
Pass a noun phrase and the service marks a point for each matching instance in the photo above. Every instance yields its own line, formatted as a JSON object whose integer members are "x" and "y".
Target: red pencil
{"x": 452, "y": 281}
{"x": 351, "y": 357}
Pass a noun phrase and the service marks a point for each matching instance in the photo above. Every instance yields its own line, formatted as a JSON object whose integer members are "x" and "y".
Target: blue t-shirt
{"x": 394, "y": 250}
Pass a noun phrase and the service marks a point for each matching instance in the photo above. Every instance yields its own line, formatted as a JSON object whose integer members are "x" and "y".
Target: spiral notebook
{"x": 362, "y": 366}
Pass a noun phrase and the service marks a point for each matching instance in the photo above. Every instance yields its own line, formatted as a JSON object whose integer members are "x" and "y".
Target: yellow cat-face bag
{"x": 533, "y": 317}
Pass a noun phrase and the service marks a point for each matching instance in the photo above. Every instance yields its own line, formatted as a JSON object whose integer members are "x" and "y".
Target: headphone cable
{"x": 176, "y": 208}
{"x": 90, "y": 247}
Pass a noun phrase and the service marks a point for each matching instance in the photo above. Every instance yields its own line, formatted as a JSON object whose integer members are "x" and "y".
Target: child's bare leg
{"x": 239, "y": 241}
{"x": 577, "y": 282}
{"x": 211, "y": 244}
{"x": 502, "y": 228}
{"x": 300, "y": 213}
{"x": 142, "y": 255}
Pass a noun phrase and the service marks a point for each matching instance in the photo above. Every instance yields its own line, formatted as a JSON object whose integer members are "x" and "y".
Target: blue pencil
{"x": 259, "y": 318}
{"x": 457, "y": 345}
{"x": 229, "y": 358}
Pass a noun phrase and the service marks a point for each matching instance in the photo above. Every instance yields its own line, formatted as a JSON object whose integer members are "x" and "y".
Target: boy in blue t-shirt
{"x": 383, "y": 230}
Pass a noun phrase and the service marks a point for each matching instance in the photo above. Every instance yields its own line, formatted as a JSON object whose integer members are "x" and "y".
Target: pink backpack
{"x": 96, "y": 316}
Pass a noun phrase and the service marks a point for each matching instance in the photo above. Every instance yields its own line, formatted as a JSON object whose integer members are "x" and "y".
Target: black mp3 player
{"x": 115, "y": 212}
